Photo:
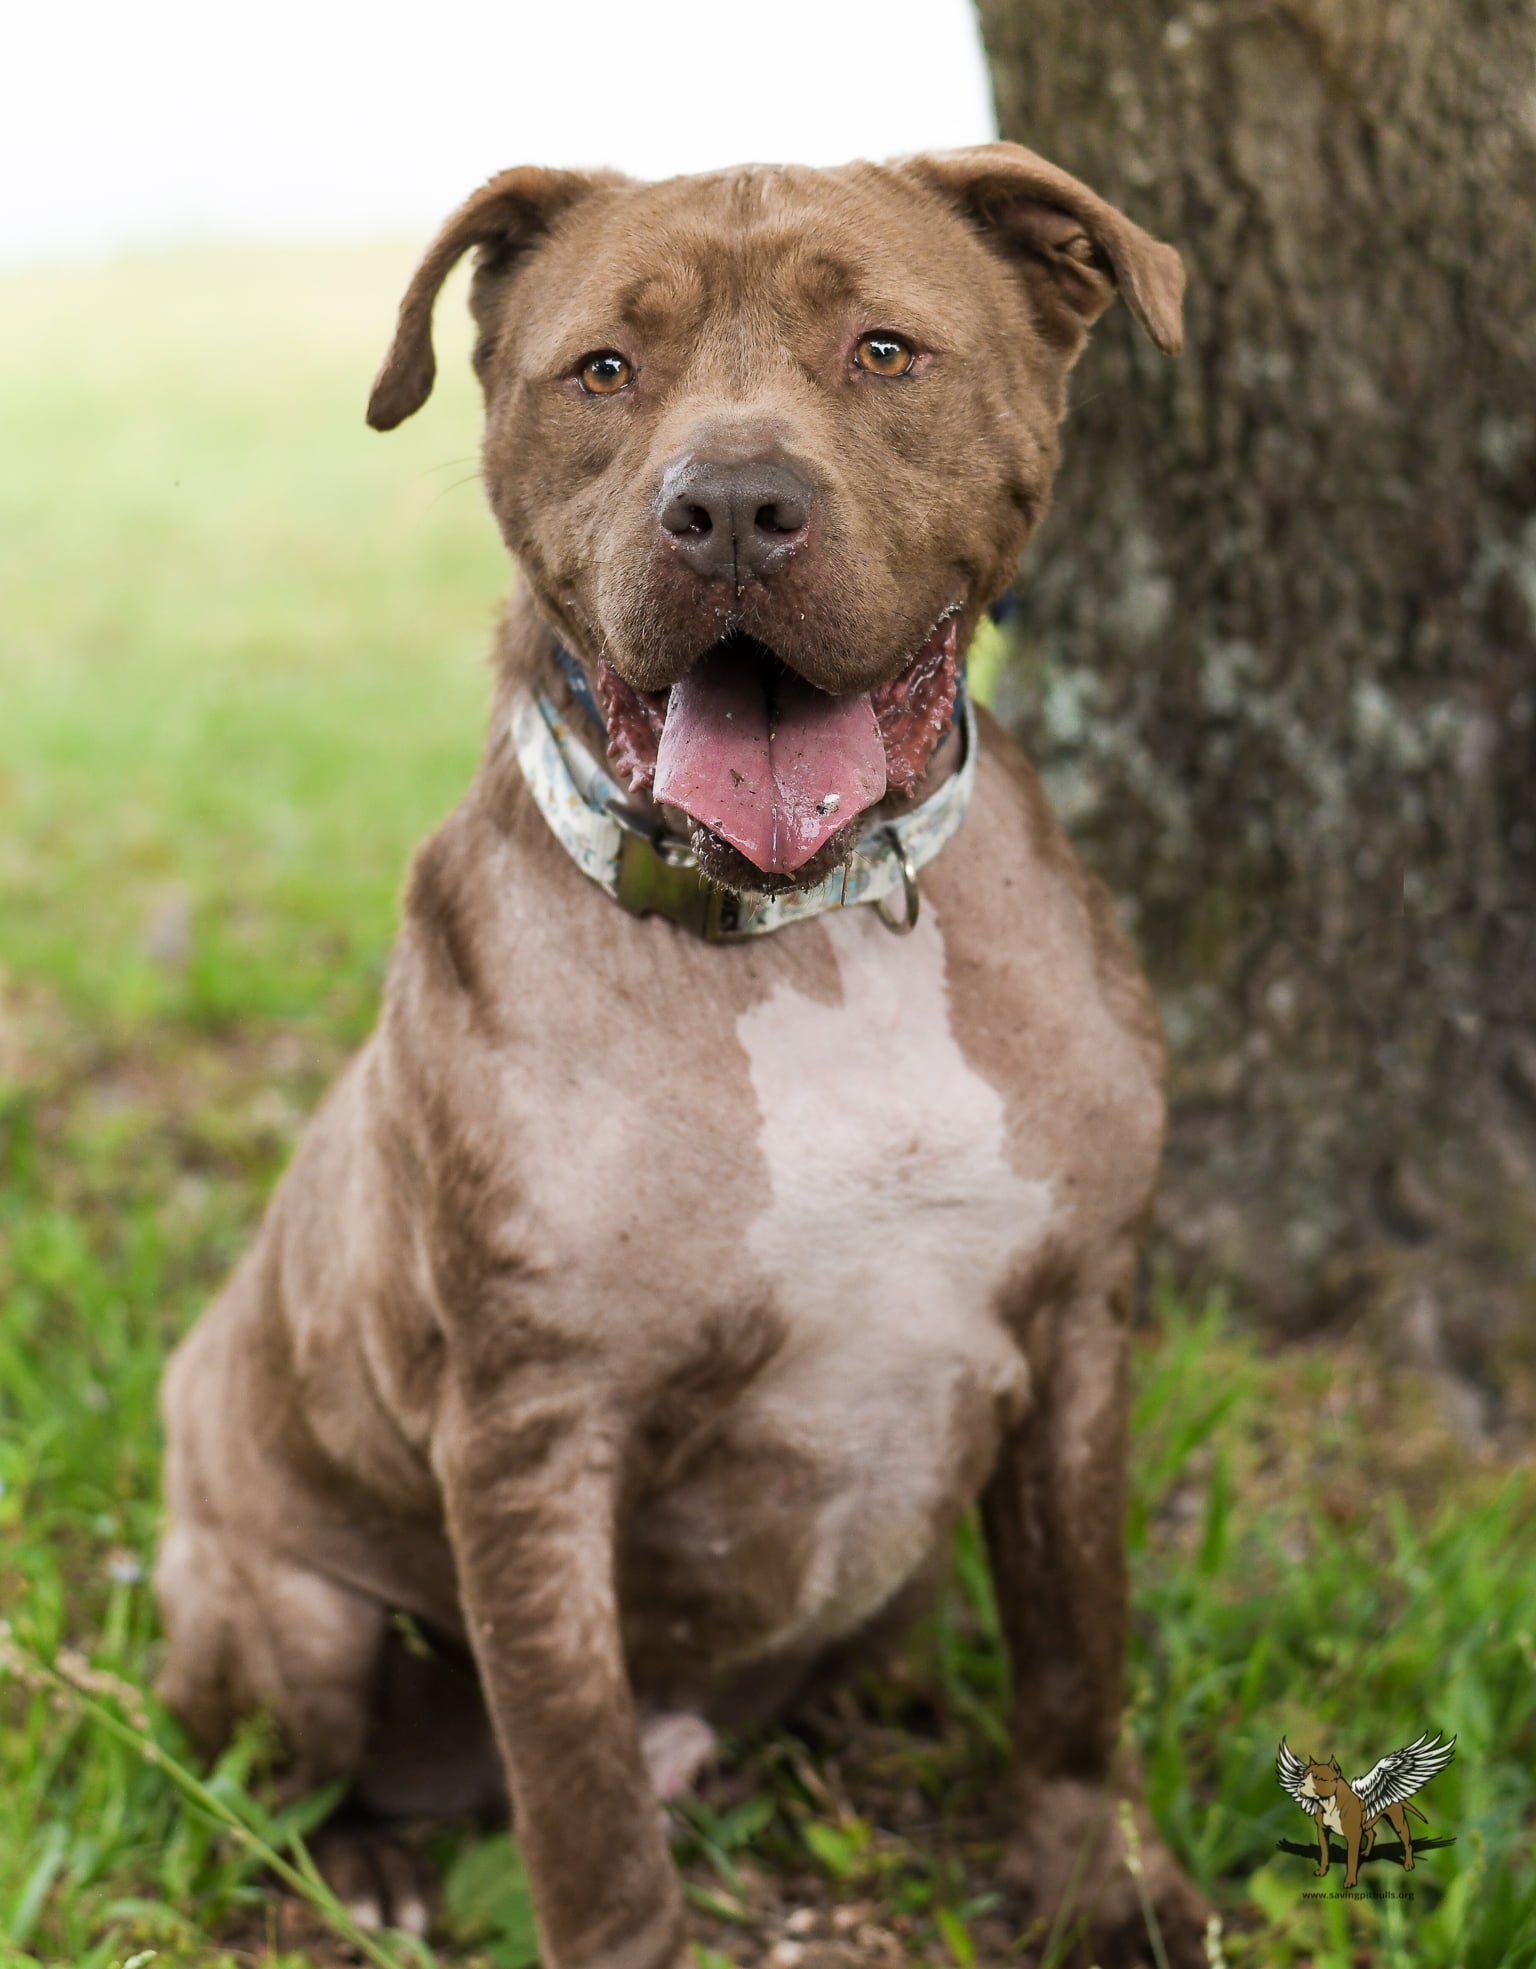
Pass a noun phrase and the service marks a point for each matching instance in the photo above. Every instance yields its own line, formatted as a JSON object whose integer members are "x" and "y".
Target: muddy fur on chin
{"x": 728, "y": 868}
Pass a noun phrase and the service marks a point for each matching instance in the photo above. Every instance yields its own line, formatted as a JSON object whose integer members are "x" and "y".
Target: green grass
{"x": 243, "y": 635}
{"x": 241, "y": 670}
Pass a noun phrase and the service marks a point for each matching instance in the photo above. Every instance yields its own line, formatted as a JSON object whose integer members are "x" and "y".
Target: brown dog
{"x": 644, "y": 1307}
{"x": 1352, "y": 1808}
{"x": 1342, "y": 1812}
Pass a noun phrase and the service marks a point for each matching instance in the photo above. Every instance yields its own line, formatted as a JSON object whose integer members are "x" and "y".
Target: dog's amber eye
{"x": 604, "y": 373}
{"x": 883, "y": 354}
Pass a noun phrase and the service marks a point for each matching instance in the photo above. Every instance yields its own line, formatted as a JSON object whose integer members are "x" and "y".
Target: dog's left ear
{"x": 1335, "y": 1763}
{"x": 1075, "y": 244}
{"x": 505, "y": 218}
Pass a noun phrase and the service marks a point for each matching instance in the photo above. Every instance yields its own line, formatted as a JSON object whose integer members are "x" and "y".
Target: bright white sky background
{"x": 128, "y": 123}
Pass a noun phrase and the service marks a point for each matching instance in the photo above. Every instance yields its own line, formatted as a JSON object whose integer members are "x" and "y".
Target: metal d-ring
{"x": 901, "y": 925}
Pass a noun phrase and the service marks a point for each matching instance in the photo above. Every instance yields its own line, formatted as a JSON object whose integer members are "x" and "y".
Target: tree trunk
{"x": 1276, "y": 649}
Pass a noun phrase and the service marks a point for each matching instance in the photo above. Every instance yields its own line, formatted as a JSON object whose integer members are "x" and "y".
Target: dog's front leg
{"x": 529, "y": 1481}
{"x": 1054, "y": 1519}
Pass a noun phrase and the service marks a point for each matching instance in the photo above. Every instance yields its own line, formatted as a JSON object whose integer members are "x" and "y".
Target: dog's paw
{"x": 677, "y": 1746}
{"x": 380, "y": 1880}
{"x": 1098, "y": 1880}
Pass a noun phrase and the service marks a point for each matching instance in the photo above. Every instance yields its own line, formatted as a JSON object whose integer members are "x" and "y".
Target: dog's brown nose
{"x": 734, "y": 522}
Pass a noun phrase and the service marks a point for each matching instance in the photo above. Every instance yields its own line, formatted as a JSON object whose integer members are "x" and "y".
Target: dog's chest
{"x": 887, "y": 1225}
{"x": 818, "y": 1141}
{"x": 839, "y": 1176}
{"x": 893, "y": 1218}
{"x": 891, "y": 1195}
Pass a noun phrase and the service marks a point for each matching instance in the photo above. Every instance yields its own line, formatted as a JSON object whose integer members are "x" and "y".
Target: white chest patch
{"x": 894, "y": 1217}
{"x": 1331, "y": 1817}
{"x": 891, "y": 1185}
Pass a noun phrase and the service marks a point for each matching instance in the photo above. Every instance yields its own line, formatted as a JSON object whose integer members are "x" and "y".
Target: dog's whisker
{"x": 470, "y": 478}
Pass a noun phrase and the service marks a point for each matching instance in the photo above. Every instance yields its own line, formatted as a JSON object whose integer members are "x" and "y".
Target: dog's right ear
{"x": 504, "y": 219}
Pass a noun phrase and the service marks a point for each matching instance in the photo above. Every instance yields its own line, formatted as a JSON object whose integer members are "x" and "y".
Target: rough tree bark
{"x": 1277, "y": 642}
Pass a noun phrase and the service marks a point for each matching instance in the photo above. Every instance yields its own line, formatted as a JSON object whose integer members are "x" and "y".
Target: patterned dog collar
{"x": 650, "y": 873}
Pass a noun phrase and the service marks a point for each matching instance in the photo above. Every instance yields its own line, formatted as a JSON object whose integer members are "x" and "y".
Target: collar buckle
{"x": 658, "y": 875}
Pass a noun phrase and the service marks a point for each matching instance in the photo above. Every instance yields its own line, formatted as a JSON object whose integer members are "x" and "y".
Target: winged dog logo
{"x": 1351, "y": 1807}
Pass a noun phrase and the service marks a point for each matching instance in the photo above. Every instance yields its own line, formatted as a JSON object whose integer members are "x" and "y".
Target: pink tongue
{"x": 773, "y": 780}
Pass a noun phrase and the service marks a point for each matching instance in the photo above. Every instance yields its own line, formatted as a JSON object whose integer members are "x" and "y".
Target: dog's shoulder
{"x": 1049, "y": 995}
{"x": 1024, "y": 903}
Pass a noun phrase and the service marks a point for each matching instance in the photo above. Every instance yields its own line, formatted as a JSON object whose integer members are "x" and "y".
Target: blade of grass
{"x": 299, "y": 1873}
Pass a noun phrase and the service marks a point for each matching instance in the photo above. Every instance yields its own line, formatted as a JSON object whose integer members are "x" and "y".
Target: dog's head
{"x": 767, "y": 442}
{"x": 1321, "y": 1780}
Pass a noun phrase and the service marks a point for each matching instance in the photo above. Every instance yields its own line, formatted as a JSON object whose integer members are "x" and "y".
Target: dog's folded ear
{"x": 1077, "y": 247}
{"x": 504, "y": 218}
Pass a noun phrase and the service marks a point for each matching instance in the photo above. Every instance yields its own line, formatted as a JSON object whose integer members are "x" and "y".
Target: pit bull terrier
{"x": 1353, "y": 1808}
{"x": 1340, "y": 1811}
{"x": 746, "y": 1173}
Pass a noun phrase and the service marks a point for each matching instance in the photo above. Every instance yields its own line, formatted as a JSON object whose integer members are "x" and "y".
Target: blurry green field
{"x": 242, "y": 646}
{"x": 243, "y": 636}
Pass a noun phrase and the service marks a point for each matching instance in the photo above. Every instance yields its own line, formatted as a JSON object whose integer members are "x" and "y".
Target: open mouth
{"x": 772, "y": 770}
